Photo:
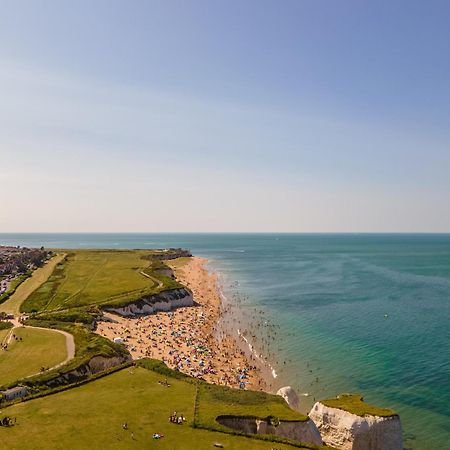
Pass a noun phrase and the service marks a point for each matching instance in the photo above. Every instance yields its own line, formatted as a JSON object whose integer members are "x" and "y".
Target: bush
{"x": 73, "y": 315}
{"x": 158, "y": 366}
{"x": 5, "y": 325}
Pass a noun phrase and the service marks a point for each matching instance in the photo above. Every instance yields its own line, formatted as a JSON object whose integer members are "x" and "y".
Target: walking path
{"x": 70, "y": 343}
{"x": 155, "y": 280}
{"x": 70, "y": 346}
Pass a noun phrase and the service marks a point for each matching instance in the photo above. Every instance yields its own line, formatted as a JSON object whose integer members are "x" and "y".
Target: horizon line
{"x": 224, "y": 232}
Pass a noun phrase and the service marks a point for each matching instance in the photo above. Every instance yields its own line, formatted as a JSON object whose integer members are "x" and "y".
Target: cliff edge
{"x": 290, "y": 396}
{"x": 149, "y": 304}
{"x": 300, "y": 431}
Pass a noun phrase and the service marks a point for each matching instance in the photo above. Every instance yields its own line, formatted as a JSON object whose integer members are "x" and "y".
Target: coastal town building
{"x": 13, "y": 393}
{"x": 17, "y": 260}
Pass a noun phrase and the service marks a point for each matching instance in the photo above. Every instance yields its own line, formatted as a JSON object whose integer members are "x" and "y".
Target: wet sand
{"x": 188, "y": 339}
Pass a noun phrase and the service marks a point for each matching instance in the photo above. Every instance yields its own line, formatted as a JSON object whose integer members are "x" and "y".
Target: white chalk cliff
{"x": 164, "y": 301}
{"x": 300, "y": 431}
{"x": 347, "y": 431}
{"x": 291, "y": 397}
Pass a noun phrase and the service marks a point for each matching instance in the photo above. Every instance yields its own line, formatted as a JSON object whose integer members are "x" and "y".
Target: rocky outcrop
{"x": 164, "y": 301}
{"x": 301, "y": 431}
{"x": 347, "y": 431}
{"x": 290, "y": 396}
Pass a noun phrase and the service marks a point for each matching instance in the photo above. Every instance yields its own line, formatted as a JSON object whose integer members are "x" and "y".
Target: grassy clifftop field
{"x": 354, "y": 404}
{"x": 99, "y": 277}
{"x": 93, "y": 414}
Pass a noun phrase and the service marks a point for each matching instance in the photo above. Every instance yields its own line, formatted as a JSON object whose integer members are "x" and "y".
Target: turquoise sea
{"x": 367, "y": 313}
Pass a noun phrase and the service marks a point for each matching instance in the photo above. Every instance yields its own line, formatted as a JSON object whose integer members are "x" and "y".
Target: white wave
{"x": 258, "y": 357}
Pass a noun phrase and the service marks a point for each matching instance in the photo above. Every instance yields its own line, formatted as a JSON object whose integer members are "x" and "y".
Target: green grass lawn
{"x": 3, "y": 333}
{"x": 91, "y": 416}
{"x": 354, "y": 404}
{"x": 97, "y": 277}
{"x": 87, "y": 345}
{"x": 38, "y": 348}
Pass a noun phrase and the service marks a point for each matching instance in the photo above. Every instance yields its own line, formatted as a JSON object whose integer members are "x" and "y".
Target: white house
{"x": 15, "y": 392}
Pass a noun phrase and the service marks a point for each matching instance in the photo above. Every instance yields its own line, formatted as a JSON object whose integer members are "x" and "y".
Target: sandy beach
{"x": 187, "y": 338}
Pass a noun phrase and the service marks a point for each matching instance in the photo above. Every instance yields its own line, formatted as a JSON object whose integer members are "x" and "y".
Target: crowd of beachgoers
{"x": 186, "y": 339}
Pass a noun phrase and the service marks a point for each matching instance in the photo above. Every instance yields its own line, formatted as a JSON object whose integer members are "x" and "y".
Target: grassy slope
{"x": 177, "y": 263}
{"x": 91, "y": 416}
{"x": 17, "y": 281}
{"x": 38, "y": 348}
{"x": 354, "y": 404}
{"x": 216, "y": 400}
{"x": 39, "y": 276}
{"x": 87, "y": 345}
{"x": 97, "y": 277}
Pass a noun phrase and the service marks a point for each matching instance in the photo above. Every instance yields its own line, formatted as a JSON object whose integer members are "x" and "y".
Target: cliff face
{"x": 164, "y": 301}
{"x": 290, "y": 396}
{"x": 305, "y": 432}
{"x": 172, "y": 253}
{"x": 347, "y": 431}
{"x": 166, "y": 271}
{"x": 95, "y": 365}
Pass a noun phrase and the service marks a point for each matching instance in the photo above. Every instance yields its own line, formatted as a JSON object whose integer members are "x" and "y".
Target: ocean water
{"x": 333, "y": 313}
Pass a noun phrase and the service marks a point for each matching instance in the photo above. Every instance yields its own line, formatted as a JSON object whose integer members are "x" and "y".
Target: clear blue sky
{"x": 225, "y": 115}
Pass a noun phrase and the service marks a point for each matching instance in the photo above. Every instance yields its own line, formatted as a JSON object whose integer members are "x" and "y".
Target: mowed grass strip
{"x": 91, "y": 416}
{"x": 90, "y": 277}
{"x": 38, "y": 348}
